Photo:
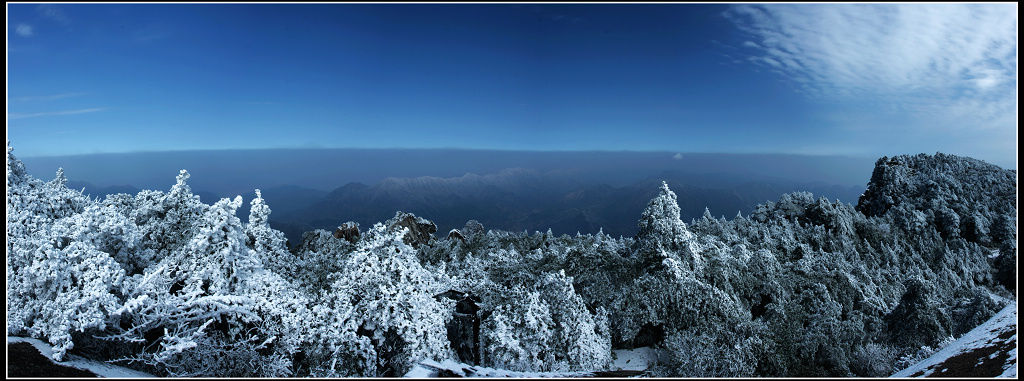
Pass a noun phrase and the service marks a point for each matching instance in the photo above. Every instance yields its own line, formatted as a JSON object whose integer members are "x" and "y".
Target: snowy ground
{"x": 990, "y": 347}
{"x": 624, "y": 360}
{"x": 448, "y": 368}
{"x": 101, "y": 369}
{"x": 989, "y": 350}
{"x": 635, "y": 359}
{"x": 986, "y": 351}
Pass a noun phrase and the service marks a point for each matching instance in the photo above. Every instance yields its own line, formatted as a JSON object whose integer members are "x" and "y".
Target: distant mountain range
{"x": 234, "y": 172}
{"x": 514, "y": 199}
{"x": 520, "y": 199}
{"x": 567, "y": 192}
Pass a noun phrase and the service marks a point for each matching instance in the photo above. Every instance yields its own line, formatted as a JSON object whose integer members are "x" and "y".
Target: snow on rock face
{"x": 421, "y": 230}
{"x": 989, "y": 350}
{"x": 348, "y": 231}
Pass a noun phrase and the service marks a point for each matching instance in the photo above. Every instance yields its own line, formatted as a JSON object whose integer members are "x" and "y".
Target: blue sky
{"x": 845, "y": 79}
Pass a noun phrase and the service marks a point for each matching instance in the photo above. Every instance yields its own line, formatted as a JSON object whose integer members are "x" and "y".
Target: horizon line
{"x": 653, "y": 151}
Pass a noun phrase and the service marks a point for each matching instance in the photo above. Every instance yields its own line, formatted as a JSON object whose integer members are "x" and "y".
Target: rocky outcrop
{"x": 473, "y": 228}
{"x": 455, "y": 234}
{"x": 348, "y": 231}
{"x": 421, "y": 230}
{"x": 464, "y": 328}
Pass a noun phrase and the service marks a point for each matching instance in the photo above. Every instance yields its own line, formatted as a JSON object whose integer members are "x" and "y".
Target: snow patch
{"x": 430, "y": 368}
{"x": 448, "y": 368}
{"x": 982, "y": 336}
{"x": 101, "y": 369}
{"x": 635, "y": 359}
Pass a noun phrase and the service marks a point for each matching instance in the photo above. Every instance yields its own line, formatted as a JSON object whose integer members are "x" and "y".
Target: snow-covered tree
{"x": 918, "y": 320}
{"x": 167, "y": 221}
{"x": 211, "y": 308}
{"x": 59, "y": 282}
{"x": 61, "y": 290}
{"x": 268, "y": 243}
{"x": 518, "y": 335}
{"x": 582, "y": 339}
{"x": 391, "y": 296}
{"x": 697, "y": 352}
{"x": 660, "y": 226}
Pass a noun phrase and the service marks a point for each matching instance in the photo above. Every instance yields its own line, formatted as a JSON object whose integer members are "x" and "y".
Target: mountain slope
{"x": 989, "y": 350}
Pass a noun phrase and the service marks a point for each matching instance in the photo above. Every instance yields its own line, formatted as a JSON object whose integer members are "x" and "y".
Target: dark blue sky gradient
{"x": 100, "y": 78}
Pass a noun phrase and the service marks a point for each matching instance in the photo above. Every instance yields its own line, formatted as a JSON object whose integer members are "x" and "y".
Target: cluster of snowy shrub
{"x": 161, "y": 282}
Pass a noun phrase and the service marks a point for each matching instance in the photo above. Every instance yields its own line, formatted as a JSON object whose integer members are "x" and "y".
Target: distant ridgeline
{"x": 567, "y": 192}
{"x": 518, "y": 199}
{"x": 162, "y": 283}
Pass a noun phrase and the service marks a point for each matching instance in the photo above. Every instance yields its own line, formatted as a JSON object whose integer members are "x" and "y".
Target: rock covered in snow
{"x": 421, "y": 230}
{"x": 348, "y": 231}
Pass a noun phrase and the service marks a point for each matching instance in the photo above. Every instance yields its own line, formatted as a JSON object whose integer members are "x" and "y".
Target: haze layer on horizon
{"x": 232, "y": 172}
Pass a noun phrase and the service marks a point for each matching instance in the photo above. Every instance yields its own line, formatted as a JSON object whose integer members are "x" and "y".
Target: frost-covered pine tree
{"x": 167, "y": 221}
{"x": 661, "y": 231}
{"x": 59, "y": 281}
{"x": 918, "y": 320}
{"x": 210, "y": 307}
{"x": 519, "y": 335}
{"x": 54, "y": 292}
{"x": 268, "y": 243}
{"x": 582, "y": 339}
{"x": 384, "y": 293}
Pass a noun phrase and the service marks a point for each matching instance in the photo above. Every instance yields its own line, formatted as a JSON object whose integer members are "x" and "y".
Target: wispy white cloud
{"x": 23, "y": 30}
{"x": 935, "y": 59}
{"x": 46, "y": 97}
{"x": 770, "y": 61}
{"x": 52, "y": 113}
{"x": 54, "y": 13}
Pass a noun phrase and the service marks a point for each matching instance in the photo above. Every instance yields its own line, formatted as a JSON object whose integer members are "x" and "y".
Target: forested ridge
{"x": 160, "y": 282}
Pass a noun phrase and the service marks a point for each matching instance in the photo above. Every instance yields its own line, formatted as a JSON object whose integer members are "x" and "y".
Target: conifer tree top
{"x": 661, "y": 222}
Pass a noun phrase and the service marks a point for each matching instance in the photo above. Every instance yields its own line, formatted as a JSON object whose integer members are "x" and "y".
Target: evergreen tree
{"x": 662, "y": 234}
{"x": 392, "y": 302}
